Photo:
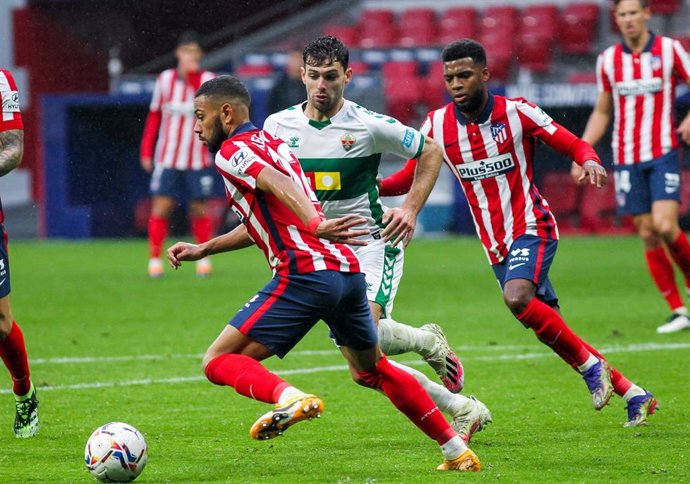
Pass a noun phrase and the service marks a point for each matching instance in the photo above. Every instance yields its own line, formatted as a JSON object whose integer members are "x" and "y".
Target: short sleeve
{"x": 535, "y": 121}
{"x": 11, "y": 114}
{"x": 603, "y": 82}
{"x": 240, "y": 162}
{"x": 391, "y": 136}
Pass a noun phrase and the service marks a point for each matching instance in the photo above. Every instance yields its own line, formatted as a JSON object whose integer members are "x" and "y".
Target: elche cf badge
{"x": 348, "y": 141}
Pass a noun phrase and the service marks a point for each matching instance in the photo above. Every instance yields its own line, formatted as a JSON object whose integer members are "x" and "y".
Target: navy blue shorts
{"x": 4, "y": 265}
{"x": 290, "y": 305}
{"x": 530, "y": 258}
{"x": 641, "y": 184}
{"x": 196, "y": 184}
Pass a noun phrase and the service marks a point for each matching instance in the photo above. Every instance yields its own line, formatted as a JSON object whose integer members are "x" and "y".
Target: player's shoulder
{"x": 8, "y": 78}
{"x": 358, "y": 113}
{"x": 287, "y": 115}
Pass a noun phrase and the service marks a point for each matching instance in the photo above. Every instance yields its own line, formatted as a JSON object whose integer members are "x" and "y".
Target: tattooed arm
{"x": 11, "y": 150}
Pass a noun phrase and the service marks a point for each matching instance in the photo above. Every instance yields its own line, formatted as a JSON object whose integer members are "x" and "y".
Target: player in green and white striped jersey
{"x": 339, "y": 145}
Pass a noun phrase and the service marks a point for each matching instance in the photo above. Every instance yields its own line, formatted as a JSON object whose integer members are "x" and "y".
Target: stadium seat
{"x": 403, "y": 89}
{"x": 578, "y": 28}
{"x": 564, "y": 198}
{"x": 417, "y": 27}
{"x": 500, "y": 20}
{"x": 540, "y": 20}
{"x": 665, "y": 7}
{"x": 457, "y": 23}
{"x": 377, "y": 29}
{"x": 359, "y": 67}
{"x": 348, "y": 34}
{"x": 534, "y": 53}
{"x": 434, "y": 89}
{"x": 598, "y": 210}
{"x": 254, "y": 70}
{"x": 684, "y": 41}
{"x": 499, "y": 55}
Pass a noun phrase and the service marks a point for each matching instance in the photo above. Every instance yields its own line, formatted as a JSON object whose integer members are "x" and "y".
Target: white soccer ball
{"x": 116, "y": 452}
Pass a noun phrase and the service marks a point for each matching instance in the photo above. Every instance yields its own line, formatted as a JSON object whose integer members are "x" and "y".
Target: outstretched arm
{"x": 291, "y": 195}
{"x": 11, "y": 150}
{"x": 401, "y": 222}
{"x": 237, "y": 238}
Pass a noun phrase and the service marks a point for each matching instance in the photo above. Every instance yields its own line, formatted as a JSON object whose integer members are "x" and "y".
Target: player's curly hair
{"x": 226, "y": 88}
{"x": 463, "y": 48}
{"x": 643, "y": 3}
{"x": 326, "y": 50}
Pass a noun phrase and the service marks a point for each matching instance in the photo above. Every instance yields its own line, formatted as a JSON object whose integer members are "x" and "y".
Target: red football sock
{"x": 247, "y": 376}
{"x": 553, "y": 332}
{"x": 662, "y": 272}
{"x": 408, "y": 396}
{"x": 202, "y": 229}
{"x": 680, "y": 251}
{"x": 158, "y": 231}
{"x": 13, "y": 353}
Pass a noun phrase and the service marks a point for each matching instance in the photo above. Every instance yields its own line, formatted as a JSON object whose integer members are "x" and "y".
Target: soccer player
{"x": 316, "y": 276}
{"x": 488, "y": 143}
{"x": 339, "y": 145}
{"x": 12, "y": 346}
{"x": 178, "y": 161}
{"x": 637, "y": 79}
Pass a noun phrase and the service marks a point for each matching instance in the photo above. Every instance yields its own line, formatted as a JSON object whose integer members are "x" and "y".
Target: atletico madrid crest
{"x": 498, "y": 132}
{"x": 348, "y": 141}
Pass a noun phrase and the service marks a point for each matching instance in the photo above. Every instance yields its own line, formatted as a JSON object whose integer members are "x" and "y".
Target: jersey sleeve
{"x": 535, "y": 121}
{"x": 157, "y": 98}
{"x": 681, "y": 62}
{"x": 241, "y": 163}
{"x": 603, "y": 82}
{"x": 11, "y": 115}
{"x": 391, "y": 136}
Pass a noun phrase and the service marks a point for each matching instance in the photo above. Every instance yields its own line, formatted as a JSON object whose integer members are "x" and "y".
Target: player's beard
{"x": 472, "y": 103}
{"x": 217, "y": 137}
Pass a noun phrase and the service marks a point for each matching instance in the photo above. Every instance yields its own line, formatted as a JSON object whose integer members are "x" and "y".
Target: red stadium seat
{"x": 417, "y": 27}
{"x": 403, "y": 89}
{"x": 578, "y": 28}
{"x": 359, "y": 67}
{"x": 540, "y": 21}
{"x": 564, "y": 197}
{"x": 499, "y": 56}
{"x": 348, "y": 34}
{"x": 377, "y": 29}
{"x": 457, "y": 23}
{"x": 598, "y": 210}
{"x": 585, "y": 77}
{"x": 502, "y": 21}
{"x": 538, "y": 29}
{"x": 434, "y": 88}
{"x": 254, "y": 70}
{"x": 665, "y": 7}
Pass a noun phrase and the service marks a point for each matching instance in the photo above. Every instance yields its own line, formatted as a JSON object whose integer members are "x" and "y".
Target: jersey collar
{"x": 483, "y": 116}
{"x": 647, "y": 47}
{"x": 244, "y": 128}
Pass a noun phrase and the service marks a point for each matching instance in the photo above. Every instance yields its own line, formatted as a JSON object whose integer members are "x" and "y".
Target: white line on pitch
{"x": 632, "y": 348}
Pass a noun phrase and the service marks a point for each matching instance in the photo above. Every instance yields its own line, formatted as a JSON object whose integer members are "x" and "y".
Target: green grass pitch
{"x": 106, "y": 343}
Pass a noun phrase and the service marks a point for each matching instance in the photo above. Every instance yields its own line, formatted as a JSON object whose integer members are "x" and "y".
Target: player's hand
{"x": 379, "y": 182}
{"x": 184, "y": 251}
{"x": 576, "y": 172}
{"x": 147, "y": 164}
{"x": 596, "y": 173}
{"x": 684, "y": 130}
{"x": 340, "y": 230}
{"x": 400, "y": 225}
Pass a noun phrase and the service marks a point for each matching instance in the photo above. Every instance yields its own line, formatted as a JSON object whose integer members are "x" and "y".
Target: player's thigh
{"x": 349, "y": 319}
{"x": 383, "y": 268}
{"x": 529, "y": 260}
{"x": 200, "y": 183}
{"x": 633, "y": 191}
{"x": 281, "y": 313}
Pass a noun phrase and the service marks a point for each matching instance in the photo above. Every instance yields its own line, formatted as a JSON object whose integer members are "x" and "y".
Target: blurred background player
{"x": 12, "y": 346}
{"x": 339, "y": 145}
{"x": 313, "y": 278}
{"x": 488, "y": 143}
{"x": 637, "y": 80}
{"x": 289, "y": 88}
{"x": 170, "y": 151}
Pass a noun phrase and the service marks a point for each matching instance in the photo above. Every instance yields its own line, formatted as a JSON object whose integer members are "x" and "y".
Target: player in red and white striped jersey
{"x": 316, "y": 277}
{"x": 637, "y": 79}
{"x": 12, "y": 346}
{"x": 179, "y": 163}
{"x": 488, "y": 143}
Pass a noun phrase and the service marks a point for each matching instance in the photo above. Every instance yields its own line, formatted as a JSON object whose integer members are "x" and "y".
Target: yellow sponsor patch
{"x": 327, "y": 180}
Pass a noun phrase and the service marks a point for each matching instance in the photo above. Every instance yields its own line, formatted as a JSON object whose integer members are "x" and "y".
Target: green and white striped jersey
{"x": 341, "y": 156}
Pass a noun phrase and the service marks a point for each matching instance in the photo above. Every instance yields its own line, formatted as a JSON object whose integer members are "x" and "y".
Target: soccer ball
{"x": 115, "y": 452}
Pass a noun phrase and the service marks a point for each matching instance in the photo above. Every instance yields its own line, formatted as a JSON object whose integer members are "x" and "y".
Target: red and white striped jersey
{"x": 170, "y": 123}
{"x": 643, "y": 89}
{"x": 11, "y": 116}
{"x": 286, "y": 242}
{"x": 492, "y": 158}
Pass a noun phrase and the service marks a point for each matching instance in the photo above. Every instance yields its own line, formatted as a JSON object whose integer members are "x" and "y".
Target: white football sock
{"x": 396, "y": 338}
{"x": 591, "y": 361}
{"x": 453, "y": 448}
{"x": 288, "y": 393}
{"x": 447, "y": 402}
{"x": 681, "y": 310}
{"x": 633, "y": 391}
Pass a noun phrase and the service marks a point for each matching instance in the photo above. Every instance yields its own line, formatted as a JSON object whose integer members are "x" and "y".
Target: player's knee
{"x": 667, "y": 229}
{"x": 517, "y": 301}
{"x": 5, "y": 325}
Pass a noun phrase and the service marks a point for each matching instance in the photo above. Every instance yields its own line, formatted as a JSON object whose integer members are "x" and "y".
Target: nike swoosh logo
{"x": 511, "y": 267}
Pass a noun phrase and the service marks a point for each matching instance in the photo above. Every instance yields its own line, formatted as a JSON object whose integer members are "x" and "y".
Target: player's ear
{"x": 227, "y": 112}
{"x": 486, "y": 75}
{"x": 348, "y": 75}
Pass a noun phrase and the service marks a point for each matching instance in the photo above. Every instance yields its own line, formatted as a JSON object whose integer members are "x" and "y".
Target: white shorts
{"x": 383, "y": 267}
